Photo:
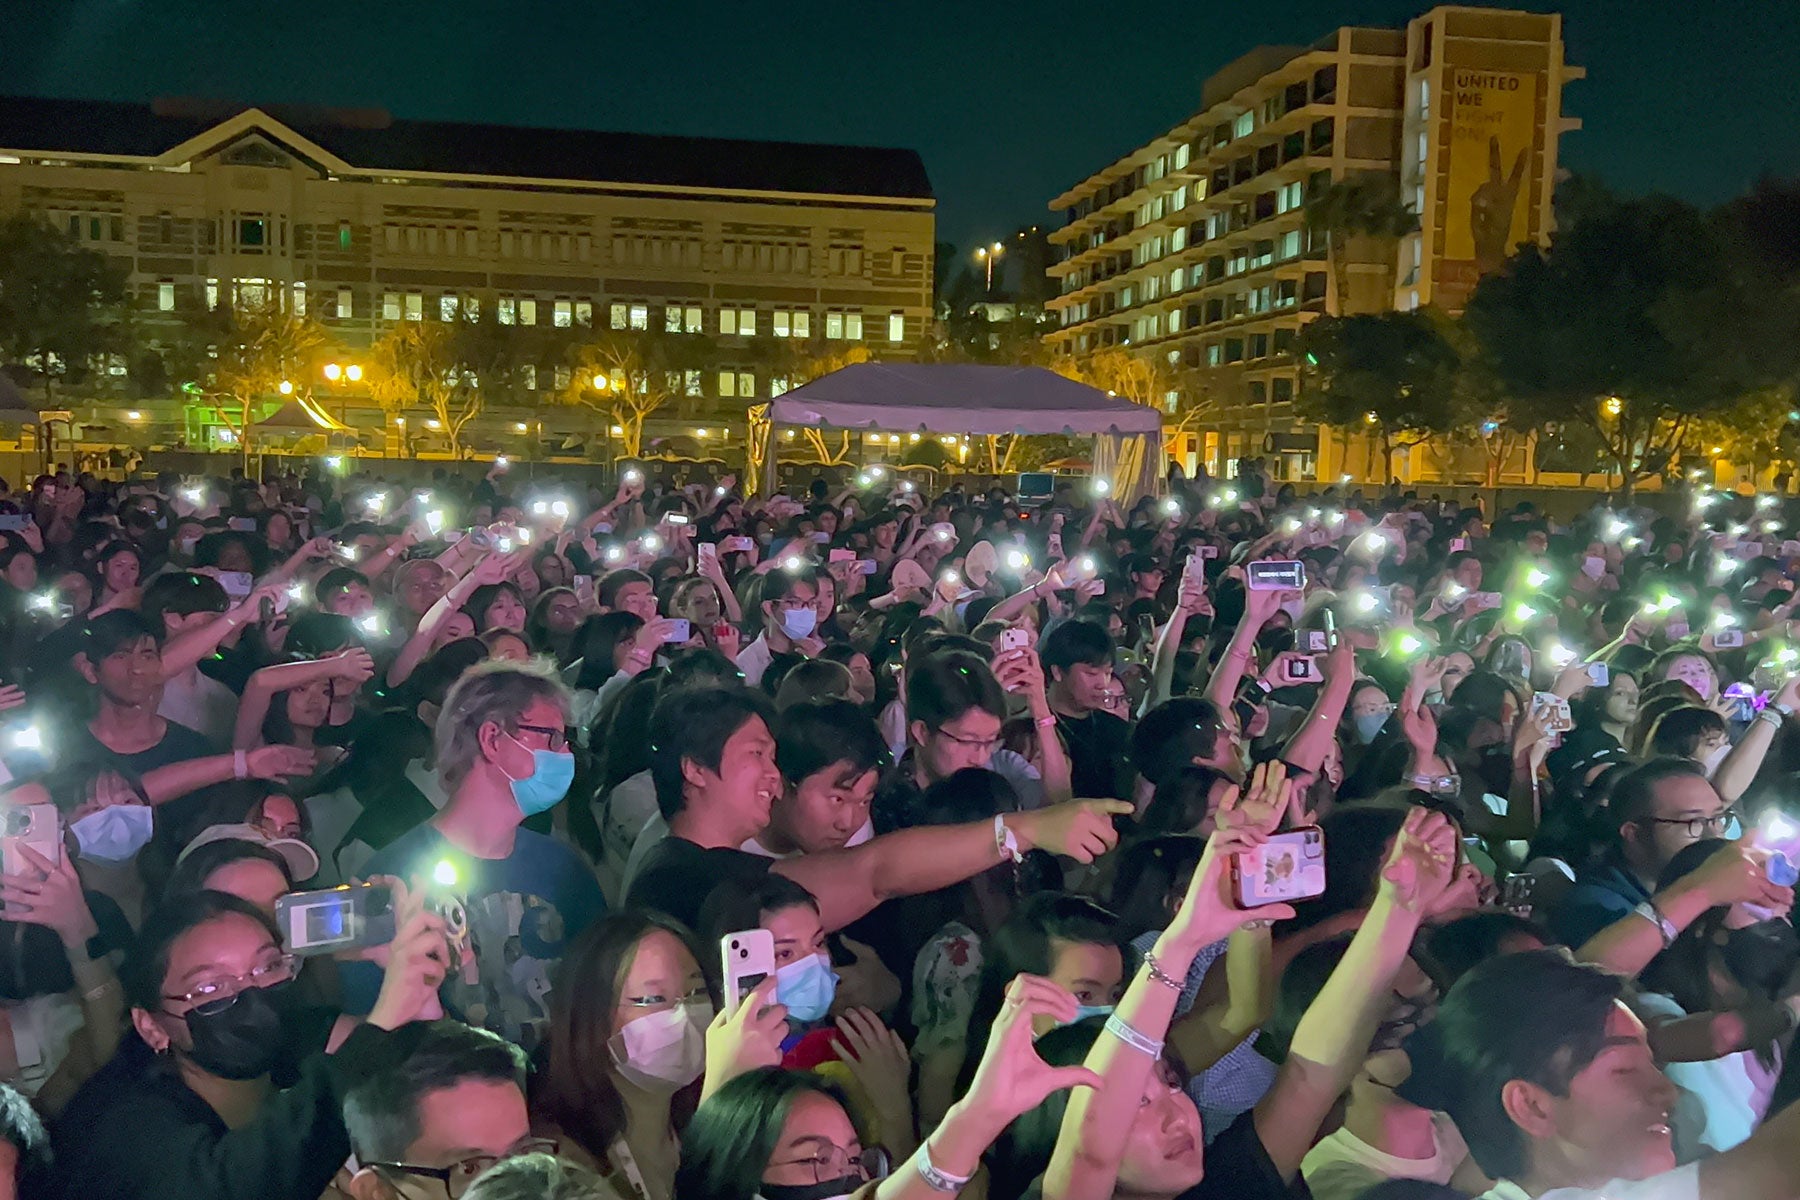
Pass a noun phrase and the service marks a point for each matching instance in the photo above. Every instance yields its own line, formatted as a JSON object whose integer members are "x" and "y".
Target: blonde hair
{"x": 496, "y": 690}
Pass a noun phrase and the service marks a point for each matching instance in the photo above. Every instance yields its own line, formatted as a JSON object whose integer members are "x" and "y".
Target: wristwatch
{"x": 1652, "y": 914}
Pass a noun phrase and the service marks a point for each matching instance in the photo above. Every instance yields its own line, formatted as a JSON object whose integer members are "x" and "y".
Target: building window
{"x": 640, "y": 316}
{"x": 390, "y": 306}
{"x": 740, "y": 322}
{"x": 584, "y": 313}
{"x": 617, "y": 315}
{"x": 506, "y": 310}
{"x": 415, "y": 306}
{"x": 1245, "y": 125}
{"x": 1214, "y": 354}
{"x": 300, "y": 299}
{"x": 527, "y": 311}
{"x": 561, "y": 314}
{"x": 447, "y": 309}
{"x": 528, "y": 376}
{"x": 252, "y": 233}
{"x": 345, "y": 304}
{"x": 896, "y": 327}
{"x": 727, "y": 385}
{"x": 165, "y": 296}
{"x": 343, "y": 235}
{"x": 791, "y": 323}
{"x": 672, "y": 319}
{"x": 690, "y": 383}
{"x": 560, "y": 378}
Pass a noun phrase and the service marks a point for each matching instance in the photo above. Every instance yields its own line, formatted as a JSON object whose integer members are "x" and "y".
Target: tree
{"x": 249, "y": 355}
{"x": 420, "y": 363}
{"x": 1395, "y": 374}
{"x": 60, "y": 304}
{"x": 642, "y": 371}
{"x": 1609, "y": 328}
{"x": 1363, "y": 206}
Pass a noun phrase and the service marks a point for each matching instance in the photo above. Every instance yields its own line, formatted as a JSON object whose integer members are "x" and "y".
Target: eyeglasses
{"x": 986, "y": 745}
{"x": 457, "y": 1177}
{"x": 1723, "y": 824}
{"x": 834, "y": 1162}
{"x": 211, "y": 996}
{"x": 656, "y": 1004}
{"x": 554, "y": 738}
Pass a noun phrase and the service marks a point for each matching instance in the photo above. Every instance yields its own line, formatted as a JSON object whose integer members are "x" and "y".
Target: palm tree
{"x": 1366, "y": 205}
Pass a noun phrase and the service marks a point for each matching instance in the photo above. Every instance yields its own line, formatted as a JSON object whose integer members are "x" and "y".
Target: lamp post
{"x": 986, "y": 256}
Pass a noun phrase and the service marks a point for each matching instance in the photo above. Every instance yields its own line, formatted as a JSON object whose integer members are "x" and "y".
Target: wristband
{"x": 1048, "y": 722}
{"x": 1771, "y": 718}
{"x": 1158, "y": 974}
{"x": 935, "y": 1179}
{"x": 1783, "y": 709}
{"x": 1135, "y": 1038}
{"x": 1654, "y": 915}
{"x": 1005, "y": 840}
{"x": 240, "y": 765}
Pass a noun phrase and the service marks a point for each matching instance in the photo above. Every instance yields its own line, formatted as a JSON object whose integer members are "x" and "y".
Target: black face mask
{"x": 244, "y": 1040}
{"x": 1762, "y": 956}
{"x": 810, "y": 1191}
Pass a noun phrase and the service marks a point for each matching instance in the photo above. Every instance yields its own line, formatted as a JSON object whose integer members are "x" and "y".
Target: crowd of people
{"x": 509, "y": 838}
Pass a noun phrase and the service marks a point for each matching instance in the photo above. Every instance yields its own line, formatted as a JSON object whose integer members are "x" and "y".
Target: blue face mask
{"x": 1084, "y": 1011}
{"x": 1368, "y": 725}
{"x": 806, "y": 986}
{"x": 114, "y": 834}
{"x": 799, "y": 623}
{"x": 551, "y": 774}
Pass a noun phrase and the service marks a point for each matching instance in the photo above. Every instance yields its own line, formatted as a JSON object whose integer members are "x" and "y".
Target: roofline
{"x": 259, "y": 119}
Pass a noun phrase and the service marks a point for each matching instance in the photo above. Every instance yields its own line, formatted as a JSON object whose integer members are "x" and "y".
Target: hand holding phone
{"x": 749, "y": 958}
{"x": 339, "y": 918}
{"x": 1288, "y": 867}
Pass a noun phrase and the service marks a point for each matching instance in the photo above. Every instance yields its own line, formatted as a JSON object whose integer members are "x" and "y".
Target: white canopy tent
{"x": 972, "y": 399}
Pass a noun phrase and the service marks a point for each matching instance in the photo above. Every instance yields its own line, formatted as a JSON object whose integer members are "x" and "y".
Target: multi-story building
{"x": 1196, "y": 247}
{"x": 768, "y": 253}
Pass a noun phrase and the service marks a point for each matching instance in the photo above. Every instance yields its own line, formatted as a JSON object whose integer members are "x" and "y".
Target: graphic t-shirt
{"x": 523, "y": 911}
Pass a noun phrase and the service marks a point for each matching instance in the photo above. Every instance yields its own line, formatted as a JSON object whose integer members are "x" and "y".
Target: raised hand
{"x": 1422, "y": 863}
{"x": 49, "y": 895}
{"x": 418, "y": 961}
{"x": 279, "y": 762}
{"x": 1081, "y": 829}
{"x": 1011, "y": 1079}
{"x": 354, "y": 665}
{"x": 878, "y": 1059}
{"x": 746, "y": 1039}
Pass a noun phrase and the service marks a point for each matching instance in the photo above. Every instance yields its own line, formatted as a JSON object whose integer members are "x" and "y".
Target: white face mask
{"x": 665, "y": 1051}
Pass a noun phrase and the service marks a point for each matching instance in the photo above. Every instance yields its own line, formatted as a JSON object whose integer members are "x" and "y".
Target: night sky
{"x": 1008, "y": 102}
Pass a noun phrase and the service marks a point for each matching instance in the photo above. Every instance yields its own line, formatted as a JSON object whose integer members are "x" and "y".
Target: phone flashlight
{"x": 444, "y": 873}
{"x": 1536, "y": 578}
{"x": 650, "y": 542}
{"x": 1100, "y": 487}
{"x": 27, "y": 737}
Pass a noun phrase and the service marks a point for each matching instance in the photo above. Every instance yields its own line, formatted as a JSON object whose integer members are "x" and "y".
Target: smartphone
{"x": 584, "y": 583}
{"x": 1206, "y": 552}
{"x": 36, "y": 825}
{"x": 707, "y": 552}
{"x": 1289, "y": 866}
{"x": 1517, "y": 892}
{"x": 1303, "y": 670}
{"x": 737, "y": 545}
{"x": 242, "y": 524}
{"x": 840, "y": 555}
{"x": 749, "y": 957}
{"x": 1484, "y": 600}
{"x": 1598, "y": 674}
{"x": 821, "y": 538}
{"x": 1276, "y": 575}
{"x": 1743, "y": 699}
{"x": 676, "y": 518}
{"x": 1458, "y": 545}
{"x": 1314, "y": 641}
{"x": 1728, "y": 639}
{"x": 237, "y": 584}
{"x": 1014, "y": 639}
{"x": 12, "y": 522}
{"x": 1054, "y": 544}
{"x": 339, "y": 918}
{"x": 866, "y": 566}
{"x": 1552, "y": 712}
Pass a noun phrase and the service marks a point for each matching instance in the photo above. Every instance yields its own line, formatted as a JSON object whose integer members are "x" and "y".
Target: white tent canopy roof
{"x": 959, "y": 398}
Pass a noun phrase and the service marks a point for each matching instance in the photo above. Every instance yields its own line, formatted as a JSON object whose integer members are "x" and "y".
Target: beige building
{"x": 1195, "y": 247}
{"x": 768, "y": 253}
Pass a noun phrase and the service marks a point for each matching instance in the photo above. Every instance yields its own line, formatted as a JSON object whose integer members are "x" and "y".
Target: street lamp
{"x": 987, "y": 255}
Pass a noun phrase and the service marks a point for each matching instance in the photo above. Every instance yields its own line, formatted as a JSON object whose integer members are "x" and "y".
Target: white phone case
{"x": 749, "y": 958}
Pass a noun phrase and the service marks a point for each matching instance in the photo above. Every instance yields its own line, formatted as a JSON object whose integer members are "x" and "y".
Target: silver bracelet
{"x": 1134, "y": 1038}
{"x": 936, "y": 1180}
{"x": 1159, "y": 975}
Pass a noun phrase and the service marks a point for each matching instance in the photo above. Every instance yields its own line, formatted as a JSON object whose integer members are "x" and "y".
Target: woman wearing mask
{"x": 224, "y": 1091}
{"x": 626, "y": 1049}
{"x": 1729, "y": 969}
{"x": 1367, "y": 713}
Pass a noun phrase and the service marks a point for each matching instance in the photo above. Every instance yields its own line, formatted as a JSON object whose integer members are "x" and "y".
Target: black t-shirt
{"x": 1238, "y": 1167}
{"x": 179, "y": 819}
{"x": 677, "y": 876}
{"x": 1099, "y": 745}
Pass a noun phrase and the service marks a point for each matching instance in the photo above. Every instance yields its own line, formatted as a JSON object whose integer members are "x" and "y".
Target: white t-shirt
{"x": 1342, "y": 1166}
{"x": 1683, "y": 1183}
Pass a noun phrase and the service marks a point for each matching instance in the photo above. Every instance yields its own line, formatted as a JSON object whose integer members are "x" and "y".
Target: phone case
{"x": 1288, "y": 867}
{"x": 749, "y": 958}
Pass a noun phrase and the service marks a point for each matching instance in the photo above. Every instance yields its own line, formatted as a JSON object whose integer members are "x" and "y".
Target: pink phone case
{"x": 1289, "y": 866}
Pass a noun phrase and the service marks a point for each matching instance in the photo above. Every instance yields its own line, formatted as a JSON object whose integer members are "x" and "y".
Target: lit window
{"x": 747, "y": 322}
{"x": 746, "y": 385}
{"x": 527, "y": 311}
{"x": 616, "y": 316}
{"x": 390, "y": 306}
{"x": 471, "y": 309}
{"x": 528, "y": 376}
{"x": 727, "y": 384}
{"x": 584, "y": 313}
{"x": 690, "y": 383}
{"x": 165, "y": 297}
{"x": 561, "y": 314}
{"x": 781, "y": 323}
{"x": 802, "y": 324}
{"x": 299, "y": 299}
{"x": 834, "y": 330}
{"x": 896, "y": 327}
{"x": 1245, "y": 125}
{"x": 345, "y": 305}
{"x": 561, "y": 378}
{"x": 672, "y": 319}
{"x": 693, "y": 320}
{"x": 853, "y": 327}
{"x": 447, "y": 308}
{"x": 506, "y": 310}
{"x": 640, "y": 316}
{"x": 212, "y": 294}
{"x": 778, "y": 385}
{"x": 415, "y": 306}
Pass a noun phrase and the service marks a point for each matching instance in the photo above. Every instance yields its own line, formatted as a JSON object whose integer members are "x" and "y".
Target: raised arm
{"x": 1307, "y": 748}
{"x": 353, "y": 664}
{"x": 1732, "y": 874}
{"x": 178, "y": 779}
{"x": 1096, "y": 1123}
{"x": 192, "y": 646}
{"x": 849, "y": 883}
{"x": 1020, "y": 673}
{"x": 1332, "y": 1038}
{"x": 1259, "y": 606}
{"x": 492, "y": 568}
{"x": 1190, "y": 601}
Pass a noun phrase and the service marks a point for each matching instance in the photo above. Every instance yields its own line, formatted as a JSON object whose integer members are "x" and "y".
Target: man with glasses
{"x": 426, "y": 1128}
{"x": 1658, "y": 809}
{"x": 502, "y": 751}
